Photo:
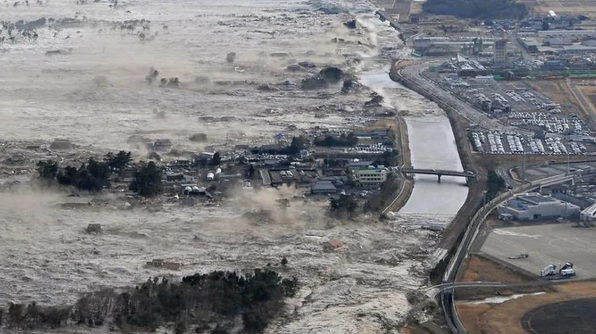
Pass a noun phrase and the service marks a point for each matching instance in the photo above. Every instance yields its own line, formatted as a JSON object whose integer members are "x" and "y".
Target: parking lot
{"x": 546, "y": 244}
{"x": 496, "y": 142}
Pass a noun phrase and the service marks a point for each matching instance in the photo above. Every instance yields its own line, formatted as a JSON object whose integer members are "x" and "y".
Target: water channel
{"x": 432, "y": 145}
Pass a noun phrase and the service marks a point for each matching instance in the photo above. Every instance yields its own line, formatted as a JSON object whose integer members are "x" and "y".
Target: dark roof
{"x": 323, "y": 186}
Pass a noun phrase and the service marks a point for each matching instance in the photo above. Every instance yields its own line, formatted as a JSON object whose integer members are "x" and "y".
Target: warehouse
{"x": 533, "y": 206}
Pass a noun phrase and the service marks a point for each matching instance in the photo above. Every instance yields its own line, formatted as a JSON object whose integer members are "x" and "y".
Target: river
{"x": 432, "y": 145}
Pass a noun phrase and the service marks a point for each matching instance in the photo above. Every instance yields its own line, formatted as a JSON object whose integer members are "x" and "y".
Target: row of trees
{"x": 343, "y": 140}
{"x": 94, "y": 175}
{"x": 199, "y": 300}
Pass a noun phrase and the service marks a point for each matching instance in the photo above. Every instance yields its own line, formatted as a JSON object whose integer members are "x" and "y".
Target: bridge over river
{"x": 439, "y": 172}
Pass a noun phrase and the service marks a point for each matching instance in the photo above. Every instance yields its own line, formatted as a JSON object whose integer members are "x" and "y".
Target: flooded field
{"x": 83, "y": 77}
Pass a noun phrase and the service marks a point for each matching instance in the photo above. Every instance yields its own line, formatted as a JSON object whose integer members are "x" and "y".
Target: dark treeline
{"x": 477, "y": 9}
{"x": 213, "y": 302}
{"x": 343, "y": 140}
{"x": 95, "y": 175}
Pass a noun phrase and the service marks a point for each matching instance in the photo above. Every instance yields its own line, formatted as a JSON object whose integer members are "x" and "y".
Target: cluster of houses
{"x": 321, "y": 171}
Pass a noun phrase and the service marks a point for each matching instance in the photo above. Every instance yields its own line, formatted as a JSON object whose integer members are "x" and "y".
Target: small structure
{"x": 162, "y": 145}
{"x": 160, "y": 263}
{"x": 332, "y": 245}
{"x": 94, "y": 228}
{"x": 588, "y": 214}
{"x": 61, "y": 144}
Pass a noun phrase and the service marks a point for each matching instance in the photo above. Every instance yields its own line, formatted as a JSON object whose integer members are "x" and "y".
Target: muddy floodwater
{"x": 432, "y": 146}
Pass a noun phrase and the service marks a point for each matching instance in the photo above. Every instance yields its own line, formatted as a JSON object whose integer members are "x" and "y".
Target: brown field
{"x": 585, "y": 7}
{"x": 414, "y": 330}
{"x": 482, "y": 269}
{"x": 590, "y": 93}
{"x": 558, "y": 91}
{"x": 505, "y": 318}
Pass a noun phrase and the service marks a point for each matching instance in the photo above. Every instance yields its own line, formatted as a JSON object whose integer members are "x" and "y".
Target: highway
{"x": 446, "y": 296}
{"x": 414, "y": 75}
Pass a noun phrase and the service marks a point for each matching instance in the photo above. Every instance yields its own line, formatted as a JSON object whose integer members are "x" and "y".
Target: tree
{"x": 343, "y": 205}
{"x": 147, "y": 180}
{"x": 494, "y": 184}
{"x": 298, "y": 144}
{"x": 119, "y": 161}
{"x": 250, "y": 171}
{"x": 47, "y": 169}
{"x": 15, "y": 315}
{"x": 68, "y": 177}
{"x": 216, "y": 160}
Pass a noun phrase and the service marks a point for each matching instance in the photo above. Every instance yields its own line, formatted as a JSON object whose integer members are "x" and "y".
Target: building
{"x": 529, "y": 43}
{"x": 323, "y": 188}
{"x": 370, "y": 178}
{"x": 566, "y": 33}
{"x": 162, "y": 145}
{"x": 500, "y": 52}
{"x": 577, "y": 50}
{"x": 533, "y": 206}
{"x": 588, "y": 214}
{"x": 482, "y": 80}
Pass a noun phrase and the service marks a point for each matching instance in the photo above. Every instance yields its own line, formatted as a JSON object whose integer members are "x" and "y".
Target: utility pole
{"x": 567, "y": 162}
{"x": 524, "y": 167}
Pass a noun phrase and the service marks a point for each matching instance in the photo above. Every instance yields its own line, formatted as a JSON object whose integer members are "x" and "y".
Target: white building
{"x": 533, "y": 206}
{"x": 588, "y": 214}
{"x": 370, "y": 178}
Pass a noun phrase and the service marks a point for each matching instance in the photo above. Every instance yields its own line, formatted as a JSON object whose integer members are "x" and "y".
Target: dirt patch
{"x": 471, "y": 315}
{"x": 413, "y": 330}
{"x": 506, "y": 318}
{"x": 478, "y": 268}
{"x": 590, "y": 93}
{"x": 559, "y": 92}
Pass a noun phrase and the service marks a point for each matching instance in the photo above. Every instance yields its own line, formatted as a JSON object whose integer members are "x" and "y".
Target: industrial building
{"x": 534, "y": 206}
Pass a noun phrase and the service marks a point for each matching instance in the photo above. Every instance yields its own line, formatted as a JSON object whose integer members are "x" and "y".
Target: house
{"x": 323, "y": 188}
{"x": 162, "y": 145}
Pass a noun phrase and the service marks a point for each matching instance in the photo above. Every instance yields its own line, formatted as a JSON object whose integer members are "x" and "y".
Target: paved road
{"x": 546, "y": 244}
{"x": 414, "y": 73}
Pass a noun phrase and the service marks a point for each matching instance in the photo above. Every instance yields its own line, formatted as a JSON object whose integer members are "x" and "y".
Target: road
{"x": 447, "y": 297}
{"x": 414, "y": 74}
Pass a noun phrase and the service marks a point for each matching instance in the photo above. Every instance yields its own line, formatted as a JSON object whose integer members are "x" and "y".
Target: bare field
{"x": 558, "y": 91}
{"x": 590, "y": 93}
{"x": 481, "y": 269}
{"x": 570, "y": 7}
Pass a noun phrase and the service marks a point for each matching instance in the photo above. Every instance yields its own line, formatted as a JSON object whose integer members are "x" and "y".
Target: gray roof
{"x": 323, "y": 186}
